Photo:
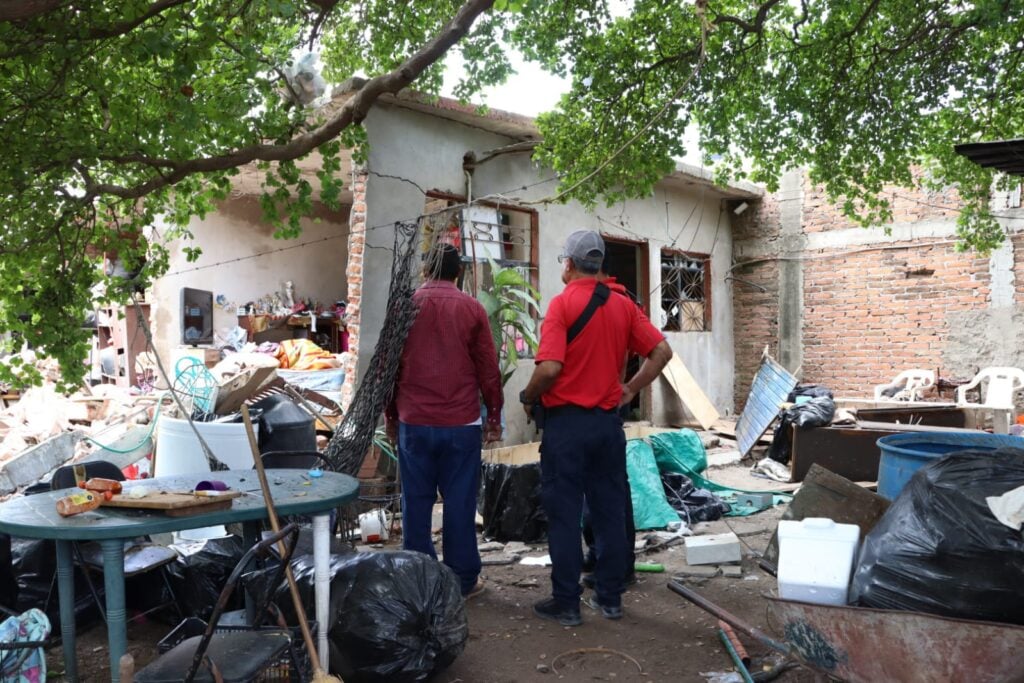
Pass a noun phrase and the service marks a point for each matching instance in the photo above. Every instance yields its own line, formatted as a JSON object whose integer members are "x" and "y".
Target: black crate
{"x": 282, "y": 670}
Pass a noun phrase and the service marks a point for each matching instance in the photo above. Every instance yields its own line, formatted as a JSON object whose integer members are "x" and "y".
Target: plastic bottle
{"x": 77, "y": 503}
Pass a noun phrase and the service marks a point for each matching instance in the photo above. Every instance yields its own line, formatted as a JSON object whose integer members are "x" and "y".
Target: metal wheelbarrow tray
{"x": 861, "y": 644}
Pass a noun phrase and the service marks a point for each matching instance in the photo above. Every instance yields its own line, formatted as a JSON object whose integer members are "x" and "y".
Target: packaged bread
{"x": 77, "y": 503}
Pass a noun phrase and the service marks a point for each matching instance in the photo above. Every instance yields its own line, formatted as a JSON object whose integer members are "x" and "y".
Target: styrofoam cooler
{"x": 816, "y": 560}
{"x": 178, "y": 451}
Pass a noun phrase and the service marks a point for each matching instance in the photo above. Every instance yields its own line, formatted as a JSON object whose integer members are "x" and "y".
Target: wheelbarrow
{"x": 860, "y": 644}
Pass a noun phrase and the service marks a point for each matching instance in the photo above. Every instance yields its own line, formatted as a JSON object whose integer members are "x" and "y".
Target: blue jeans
{"x": 445, "y": 460}
{"x": 583, "y": 452}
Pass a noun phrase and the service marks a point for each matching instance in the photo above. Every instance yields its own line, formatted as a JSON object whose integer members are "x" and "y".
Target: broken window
{"x": 685, "y": 292}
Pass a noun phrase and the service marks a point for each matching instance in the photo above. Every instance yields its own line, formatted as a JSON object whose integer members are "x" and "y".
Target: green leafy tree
{"x": 115, "y": 115}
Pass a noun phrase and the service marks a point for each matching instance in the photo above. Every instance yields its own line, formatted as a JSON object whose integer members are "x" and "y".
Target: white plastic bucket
{"x": 374, "y": 525}
{"x": 178, "y": 452}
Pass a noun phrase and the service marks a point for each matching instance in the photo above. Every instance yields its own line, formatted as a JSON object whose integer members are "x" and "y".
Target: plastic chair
{"x": 1003, "y": 383}
{"x": 140, "y": 557}
{"x": 913, "y": 382}
{"x": 234, "y": 655}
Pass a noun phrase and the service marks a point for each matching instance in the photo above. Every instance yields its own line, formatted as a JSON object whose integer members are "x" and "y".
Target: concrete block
{"x": 755, "y": 500}
{"x": 713, "y": 549}
{"x": 732, "y": 571}
{"x": 32, "y": 464}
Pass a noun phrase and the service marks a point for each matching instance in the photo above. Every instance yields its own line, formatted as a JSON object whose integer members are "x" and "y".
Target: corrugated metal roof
{"x": 770, "y": 388}
{"x": 1003, "y": 155}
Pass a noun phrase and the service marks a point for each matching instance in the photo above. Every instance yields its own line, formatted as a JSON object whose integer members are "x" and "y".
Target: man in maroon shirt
{"x": 578, "y": 381}
{"x": 449, "y": 360}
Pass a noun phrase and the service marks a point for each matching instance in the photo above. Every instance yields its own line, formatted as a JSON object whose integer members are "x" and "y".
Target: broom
{"x": 319, "y": 675}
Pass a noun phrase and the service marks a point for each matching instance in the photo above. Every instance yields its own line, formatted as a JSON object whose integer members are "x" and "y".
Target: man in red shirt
{"x": 578, "y": 383}
{"x": 449, "y": 360}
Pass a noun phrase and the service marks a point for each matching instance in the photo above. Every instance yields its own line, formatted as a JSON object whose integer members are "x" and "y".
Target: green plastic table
{"x": 294, "y": 493}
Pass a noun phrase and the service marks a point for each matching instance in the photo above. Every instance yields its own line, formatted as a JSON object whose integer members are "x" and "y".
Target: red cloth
{"x": 448, "y": 361}
{"x": 592, "y": 368}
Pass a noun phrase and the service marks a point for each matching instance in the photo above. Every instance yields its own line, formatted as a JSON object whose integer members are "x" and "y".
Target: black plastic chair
{"x": 140, "y": 556}
{"x": 231, "y": 656}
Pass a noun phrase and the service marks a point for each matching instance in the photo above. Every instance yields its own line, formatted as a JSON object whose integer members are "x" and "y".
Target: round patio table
{"x": 295, "y": 492}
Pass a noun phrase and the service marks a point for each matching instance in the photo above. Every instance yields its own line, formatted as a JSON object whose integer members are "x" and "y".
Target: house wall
{"x": 852, "y": 307}
{"x": 411, "y": 153}
{"x": 242, "y": 260}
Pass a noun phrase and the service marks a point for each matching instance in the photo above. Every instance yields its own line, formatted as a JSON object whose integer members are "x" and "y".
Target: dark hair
{"x": 587, "y": 268}
{"x": 442, "y": 262}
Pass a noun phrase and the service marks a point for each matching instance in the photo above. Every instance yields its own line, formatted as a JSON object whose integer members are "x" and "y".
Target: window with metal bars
{"x": 685, "y": 292}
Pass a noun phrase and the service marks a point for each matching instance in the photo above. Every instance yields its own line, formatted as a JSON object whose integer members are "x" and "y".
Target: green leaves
{"x": 508, "y": 303}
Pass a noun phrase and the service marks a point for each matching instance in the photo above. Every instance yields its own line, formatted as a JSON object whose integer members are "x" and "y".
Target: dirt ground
{"x": 661, "y": 638}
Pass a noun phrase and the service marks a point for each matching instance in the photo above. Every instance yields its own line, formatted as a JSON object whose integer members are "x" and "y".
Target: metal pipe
{"x": 736, "y": 660}
{"x": 734, "y": 639}
{"x": 731, "y": 619}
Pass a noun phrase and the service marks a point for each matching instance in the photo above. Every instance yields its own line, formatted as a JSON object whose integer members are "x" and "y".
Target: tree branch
{"x": 20, "y": 10}
{"x": 755, "y": 26}
{"x": 353, "y": 112}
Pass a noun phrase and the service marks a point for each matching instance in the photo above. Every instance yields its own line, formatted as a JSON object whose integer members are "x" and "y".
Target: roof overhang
{"x": 1003, "y": 155}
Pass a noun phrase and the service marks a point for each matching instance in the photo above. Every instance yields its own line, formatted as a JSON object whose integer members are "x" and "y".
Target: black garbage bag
{"x": 939, "y": 549}
{"x": 34, "y": 564}
{"x": 692, "y": 504}
{"x": 8, "y": 584}
{"x": 394, "y": 616}
{"x": 817, "y": 412}
{"x": 812, "y": 390}
{"x": 198, "y": 579}
{"x": 510, "y": 503}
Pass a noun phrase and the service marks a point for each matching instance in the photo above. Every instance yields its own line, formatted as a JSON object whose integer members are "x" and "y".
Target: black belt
{"x": 571, "y": 409}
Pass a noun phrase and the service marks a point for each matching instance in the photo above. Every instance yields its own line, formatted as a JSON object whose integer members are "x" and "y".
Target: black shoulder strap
{"x": 601, "y": 294}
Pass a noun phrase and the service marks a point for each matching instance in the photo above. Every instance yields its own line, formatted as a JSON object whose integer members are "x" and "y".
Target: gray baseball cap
{"x": 584, "y": 247}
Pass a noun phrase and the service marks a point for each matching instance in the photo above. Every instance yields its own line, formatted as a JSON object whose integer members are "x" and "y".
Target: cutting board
{"x": 175, "y": 503}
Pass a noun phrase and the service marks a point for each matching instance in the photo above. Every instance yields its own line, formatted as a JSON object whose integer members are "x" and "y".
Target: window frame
{"x": 705, "y": 261}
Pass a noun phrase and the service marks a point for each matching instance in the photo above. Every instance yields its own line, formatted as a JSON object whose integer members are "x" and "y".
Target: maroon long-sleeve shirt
{"x": 448, "y": 362}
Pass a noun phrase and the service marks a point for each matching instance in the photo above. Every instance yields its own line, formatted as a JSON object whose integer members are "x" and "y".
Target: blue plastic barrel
{"x": 904, "y": 454}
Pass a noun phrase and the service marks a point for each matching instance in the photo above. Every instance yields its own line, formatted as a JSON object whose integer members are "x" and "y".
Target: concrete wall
{"x": 852, "y": 307}
{"x": 242, "y": 260}
{"x": 411, "y": 153}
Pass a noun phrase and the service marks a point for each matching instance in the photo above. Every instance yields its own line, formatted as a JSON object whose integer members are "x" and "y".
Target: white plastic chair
{"x": 915, "y": 382}
{"x": 1003, "y": 383}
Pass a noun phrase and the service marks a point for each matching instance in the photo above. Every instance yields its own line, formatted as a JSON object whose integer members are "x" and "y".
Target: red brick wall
{"x": 870, "y": 315}
{"x": 869, "y": 311}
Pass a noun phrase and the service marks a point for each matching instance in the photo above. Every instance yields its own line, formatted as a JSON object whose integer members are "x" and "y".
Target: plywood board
{"x": 690, "y": 393}
{"x": 174, "y": 502}
{"x": 523, "y": 454}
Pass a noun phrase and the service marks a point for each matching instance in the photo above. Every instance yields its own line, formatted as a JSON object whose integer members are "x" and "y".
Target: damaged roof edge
{"x": 524, "y": 128}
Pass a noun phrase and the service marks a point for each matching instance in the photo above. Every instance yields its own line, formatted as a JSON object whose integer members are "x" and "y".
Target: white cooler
{"x": 816, "y": 560}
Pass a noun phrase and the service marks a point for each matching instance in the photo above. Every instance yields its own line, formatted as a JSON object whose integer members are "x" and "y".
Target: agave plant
{"x": 508, "y": 302}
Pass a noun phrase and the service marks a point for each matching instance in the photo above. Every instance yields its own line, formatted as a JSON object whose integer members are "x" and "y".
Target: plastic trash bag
{"x": 510, "y": 503}
{"x": 817, "y": 412}
{"x": 939, "y": 549}
{"x": 394, "y": 616}
{"x": 693, "y": 504}
{"x": 810, "y": 391}
{"x": 650, "y": 507}
{"x": 198, "y": 578}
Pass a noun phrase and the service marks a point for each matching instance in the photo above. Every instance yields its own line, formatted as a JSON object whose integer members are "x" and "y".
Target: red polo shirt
{"x": 592, "y": 365}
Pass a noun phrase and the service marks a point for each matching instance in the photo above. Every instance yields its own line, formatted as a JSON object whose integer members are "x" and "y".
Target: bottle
{"x": 77, "y": 503}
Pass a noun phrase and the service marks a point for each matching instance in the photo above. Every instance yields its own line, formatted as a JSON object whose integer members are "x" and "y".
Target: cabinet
{"x": 121, "y": 339}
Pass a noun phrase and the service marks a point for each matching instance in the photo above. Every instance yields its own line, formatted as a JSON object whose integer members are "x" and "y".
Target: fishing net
{"x": 354, "y": 436}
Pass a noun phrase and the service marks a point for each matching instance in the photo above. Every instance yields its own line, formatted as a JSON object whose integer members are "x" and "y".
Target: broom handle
{"x": 272, "y": 513}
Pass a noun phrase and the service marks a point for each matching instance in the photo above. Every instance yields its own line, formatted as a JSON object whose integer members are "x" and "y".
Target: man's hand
{"x": 492, "y": 433}
{"x": 528, "y": 409}
{"x": 627, "y": 396}
{"x": 391, "y": 430}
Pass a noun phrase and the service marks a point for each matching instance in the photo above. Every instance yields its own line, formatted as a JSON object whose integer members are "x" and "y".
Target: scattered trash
{"x": 540, "y": 561}
{"x": 649, "y": 567}
{"x": 940, "y": 550}
{"x": 692, "y": 504}
{"x": 1009, "y": 507}
{"x": 816, "y": 412}
{"x": 722, "y": 676}
{"x": 771, "y": 469}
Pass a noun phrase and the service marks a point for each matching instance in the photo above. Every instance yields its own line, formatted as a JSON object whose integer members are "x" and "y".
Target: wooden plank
{"x": 826, "y": 494}
{"x": 171, "y": 500}
{"x": 690, "y": 393}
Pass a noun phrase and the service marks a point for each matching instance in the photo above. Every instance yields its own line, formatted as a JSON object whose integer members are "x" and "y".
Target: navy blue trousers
{"x": 445, "y": 460}
{"x": 583, "y": 453}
